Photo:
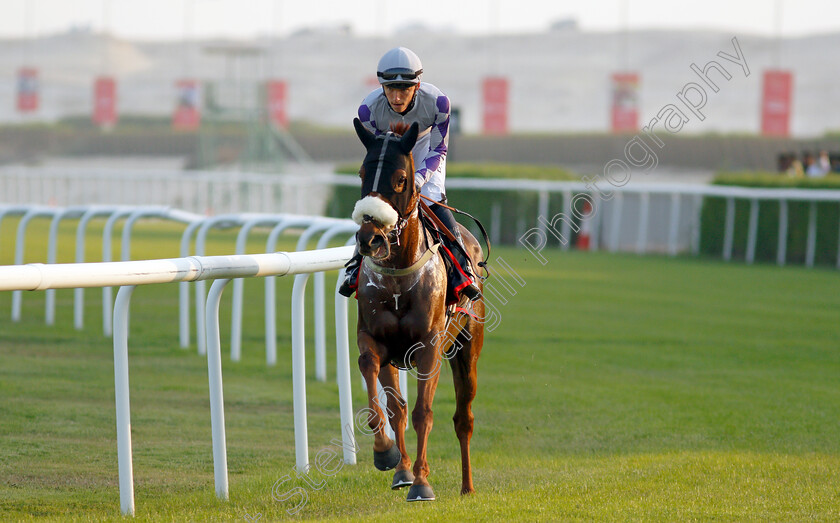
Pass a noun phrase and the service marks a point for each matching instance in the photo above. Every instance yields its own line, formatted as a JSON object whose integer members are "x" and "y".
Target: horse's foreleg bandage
{"x": 377, "y": 209}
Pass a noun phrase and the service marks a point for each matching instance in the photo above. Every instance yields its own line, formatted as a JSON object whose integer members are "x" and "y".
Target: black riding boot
{"x": 461, "y": 279}
{"x": 351, "y": 274}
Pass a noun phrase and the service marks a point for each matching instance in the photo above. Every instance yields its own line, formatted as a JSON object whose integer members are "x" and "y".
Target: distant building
{"x": 564, "y": 24}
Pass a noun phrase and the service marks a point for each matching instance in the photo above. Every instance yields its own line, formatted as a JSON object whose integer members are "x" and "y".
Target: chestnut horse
{"x": 402, "y": 293}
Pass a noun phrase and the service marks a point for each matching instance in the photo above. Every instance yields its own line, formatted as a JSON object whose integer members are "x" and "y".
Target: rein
{"x": 445, "y": 230}
{"x": 396, "y": 232}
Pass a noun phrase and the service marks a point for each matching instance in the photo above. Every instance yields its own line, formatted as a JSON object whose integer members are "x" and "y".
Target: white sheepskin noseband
{"x": 377, "y": 209}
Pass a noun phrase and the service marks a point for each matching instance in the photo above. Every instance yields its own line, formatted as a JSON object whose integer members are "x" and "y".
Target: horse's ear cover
{"x": 410, "y": 138}
{"x": 365, "y": 136}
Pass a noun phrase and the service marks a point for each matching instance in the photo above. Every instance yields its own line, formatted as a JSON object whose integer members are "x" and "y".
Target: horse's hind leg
{"x": 398, "y": 415}
{"x": 385, "y": 454}
{"x": 465, "y": 376}
{"x": 428, "y": 371}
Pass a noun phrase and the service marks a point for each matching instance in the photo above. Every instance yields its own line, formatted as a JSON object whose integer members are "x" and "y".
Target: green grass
{"x": 774, "y": 180}
{"x": 615, "y": 387}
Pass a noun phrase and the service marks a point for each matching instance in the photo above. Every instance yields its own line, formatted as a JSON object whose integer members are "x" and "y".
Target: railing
{"x": 198, "y": 229}
{"x": 638, "y": 217}
{"x": 128, "y": 274}
{"x": 676, "y": 193}
{"x": 184, "y": 270}
{"x": 202, "y": 192}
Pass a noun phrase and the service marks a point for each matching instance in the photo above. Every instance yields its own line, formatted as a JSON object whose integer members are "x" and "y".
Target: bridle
{"x": 396, "y": 232}
{"x": 393, "y": 236}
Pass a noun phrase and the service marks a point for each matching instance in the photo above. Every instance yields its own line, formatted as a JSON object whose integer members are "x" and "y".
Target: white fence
{"x": 197, "y": 229}
{"x": 203, "y": 192}
{"x": 127, "y": 274}
{"x": 639, "y": 217}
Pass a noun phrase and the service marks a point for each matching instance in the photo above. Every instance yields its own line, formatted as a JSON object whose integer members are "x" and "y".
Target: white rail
{"x": 664, "y": 216}
{"x": 198, "y": 226}
{"x": 128, "y": 274}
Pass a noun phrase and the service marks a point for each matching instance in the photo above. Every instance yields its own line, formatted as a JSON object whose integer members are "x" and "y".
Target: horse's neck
{"x": 412, "y": 243}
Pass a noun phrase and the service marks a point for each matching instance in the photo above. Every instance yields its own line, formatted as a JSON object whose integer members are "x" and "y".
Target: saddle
{"x": 447, "y": 240}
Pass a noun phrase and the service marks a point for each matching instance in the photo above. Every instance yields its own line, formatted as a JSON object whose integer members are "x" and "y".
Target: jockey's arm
{"x": 438, "y": 143}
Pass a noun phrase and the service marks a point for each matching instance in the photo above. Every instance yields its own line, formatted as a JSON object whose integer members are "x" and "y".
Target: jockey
{"x": 404, "y": 99}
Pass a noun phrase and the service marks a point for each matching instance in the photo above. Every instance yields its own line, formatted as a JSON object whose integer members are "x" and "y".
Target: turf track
{"x": 615, "y": 387}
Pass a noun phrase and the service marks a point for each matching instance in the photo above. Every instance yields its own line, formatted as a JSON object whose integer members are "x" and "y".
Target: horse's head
{"x": 388, "y": 193}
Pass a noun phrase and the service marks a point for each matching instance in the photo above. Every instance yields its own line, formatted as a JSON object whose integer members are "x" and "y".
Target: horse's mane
{"x": 399, "y": 128}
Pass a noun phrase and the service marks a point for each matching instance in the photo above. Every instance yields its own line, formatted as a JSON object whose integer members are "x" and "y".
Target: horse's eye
{"x": 399, "y": 180}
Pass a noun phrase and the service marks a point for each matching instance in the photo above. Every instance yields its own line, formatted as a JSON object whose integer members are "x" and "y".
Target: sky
{"x": 179, "y": 19}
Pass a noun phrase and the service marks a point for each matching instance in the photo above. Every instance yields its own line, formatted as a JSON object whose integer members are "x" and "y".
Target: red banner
{"x": 277, "y": 100}
{"x": 187, "y": 115}
{"x": 625, "y": 103}
{"x": 27, "y": 90}
{"x": 105, "y": 101}
{"x": 776, "y": 103}
{"x": 495, "y": 96}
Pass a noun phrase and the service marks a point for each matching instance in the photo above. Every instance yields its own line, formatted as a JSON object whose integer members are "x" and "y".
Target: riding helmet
{"x": 399, "y": 66}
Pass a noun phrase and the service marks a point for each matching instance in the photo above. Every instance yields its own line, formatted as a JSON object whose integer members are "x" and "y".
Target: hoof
{"x": 388, "y": 459}
{"x": 402, "y": 478}
{"x": 420, "y": 493}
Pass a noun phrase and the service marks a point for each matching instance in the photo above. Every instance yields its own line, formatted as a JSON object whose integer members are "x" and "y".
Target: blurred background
{"x": 271, "y": 86}
{"x": 587, "y": 71}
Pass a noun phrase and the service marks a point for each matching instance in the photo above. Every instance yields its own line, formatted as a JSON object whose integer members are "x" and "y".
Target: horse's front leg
{"x": 385, "y": 454}
{"x": 398, "y": 413}
{"x": 428, "y": 371}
